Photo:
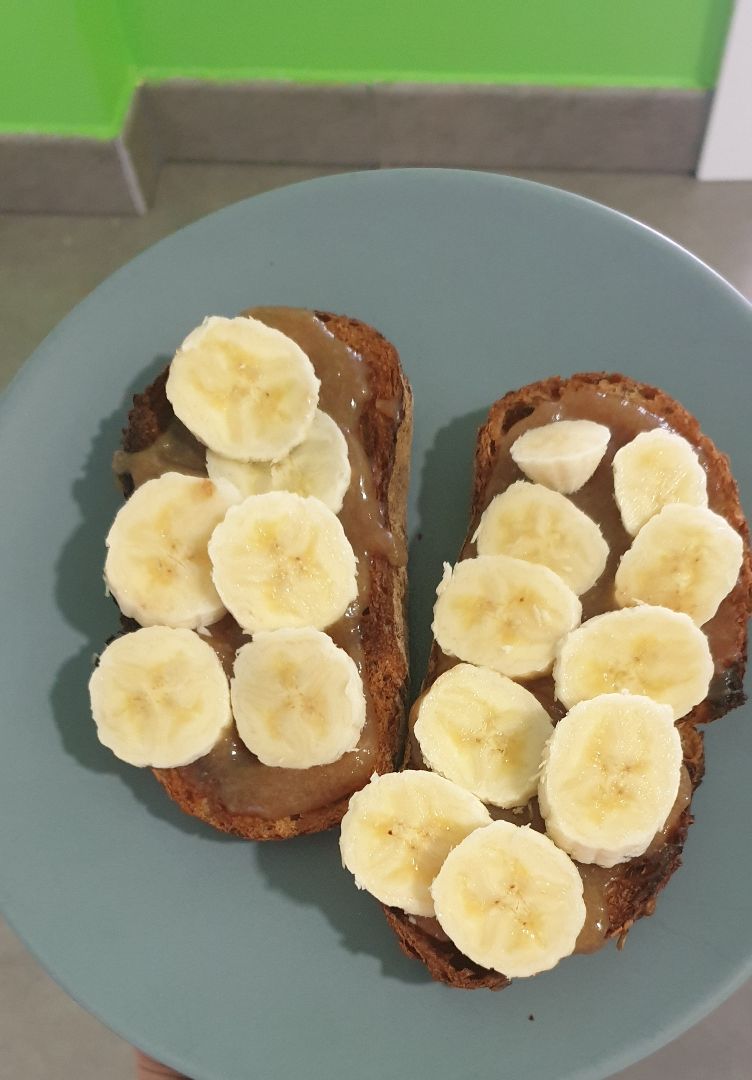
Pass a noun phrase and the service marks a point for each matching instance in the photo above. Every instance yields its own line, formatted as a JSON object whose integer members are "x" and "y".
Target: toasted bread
{"x": 633, "y": 886}
{"x": 385, "y": 429}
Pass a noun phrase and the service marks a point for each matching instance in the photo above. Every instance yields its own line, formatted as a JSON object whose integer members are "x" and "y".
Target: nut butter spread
{"x": 230, "y": 774}
{"x": 625, "y": 419}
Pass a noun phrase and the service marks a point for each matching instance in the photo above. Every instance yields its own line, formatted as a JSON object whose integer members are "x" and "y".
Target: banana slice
{"x": 562, "y": 455}
{"x": 531, "y": 522}
{"x": 399, "y": 829}
{"x": 610, "y": 777}
{"x": 510, "y": 900}
{"x": 319, "y": 466}
{"x": 282, "y": 561}
{"x": 655, "y": 469}
{"x": 297, "y": 698}
{"x": 642, "y": 650}
{"x": 686, "y": 558}
{"x": 249, "y": 477}
{"x": 245, "y": 390}
{"x": 160, "y": 697}
{"x": 485, "y": 733}
{"x": 157, "y": 565}
{"x": 504, "y": 614}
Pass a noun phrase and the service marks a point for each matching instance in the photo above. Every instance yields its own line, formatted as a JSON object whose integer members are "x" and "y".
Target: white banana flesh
{"x": 157, "y": 565}
{"x": 281, "y": 561}
{"x": 243, "y": 389}
{"x": 646, "y": 650}
{"x": 504, "y": 613}
{"x": 534, "y": 523}
{"x": 297, "y": 699}
{"x": 686, "y": 558}
{"x": 562, "y": 455}
{"x": 159, "y": 697}
{"x": 319, "y": 466}
{"x": 510, "y": 900}
{"x": 657, "y": 468}
{"x": 398, "y": 831}
{"x": 484, "y": 732}
{"x": 610, "y": 777}
{"x": 249, "y": 477}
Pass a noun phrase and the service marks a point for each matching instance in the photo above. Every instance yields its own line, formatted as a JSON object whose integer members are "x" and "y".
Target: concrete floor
{"x": 48, "y": 264}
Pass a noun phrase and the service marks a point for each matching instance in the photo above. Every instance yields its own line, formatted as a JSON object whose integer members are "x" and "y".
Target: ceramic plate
{"x": 228, "y": 959}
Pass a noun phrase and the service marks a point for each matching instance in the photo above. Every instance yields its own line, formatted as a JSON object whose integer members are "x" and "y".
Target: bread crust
{"x": 387, "y": 442}
{"x": 636, "y": 884}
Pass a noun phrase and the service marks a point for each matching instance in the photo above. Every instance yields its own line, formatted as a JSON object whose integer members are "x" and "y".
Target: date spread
{"x": 230, "y": 774}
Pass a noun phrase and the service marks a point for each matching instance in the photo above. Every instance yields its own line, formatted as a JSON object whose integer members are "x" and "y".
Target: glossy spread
{"x": 230, "y": 774}
{"x": 625, "y": 420}
{"x": 173, "y": 450}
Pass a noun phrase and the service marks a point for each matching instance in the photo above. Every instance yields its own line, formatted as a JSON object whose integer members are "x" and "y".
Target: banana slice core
{"x": 484, "y": 732}
{"x": 510, "y": 900}
{"x": 245, "y": 390}
{"x": 398, "y": 831}
{"x": 281, "y": 561}
{"x": 297, "y": 699}
{"x": 159, "y": 697}
{"x": 610, "y": 777}
{"x": 504, "y": 613}
{"x": 157, "y": 565}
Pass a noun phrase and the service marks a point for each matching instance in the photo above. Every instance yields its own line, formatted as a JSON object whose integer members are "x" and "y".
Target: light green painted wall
{"x": 65, "y": 67}
{"x": 586, "y": 42}
{"x": 71, "y": 64}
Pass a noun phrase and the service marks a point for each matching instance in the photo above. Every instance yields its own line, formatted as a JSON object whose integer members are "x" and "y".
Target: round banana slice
{"x": 686, "y": 558}
{"x": 531, "y": 522}
{"x": 245, "y": 390}
{"x": 504, "y": 614}
{"x": 485, "y": 733}
{"x": 610, "y": 777}
{"x": 655, "y": 469}
{"x": 157, "y": 565}
{"x": 159, "y": 697}
{"x": 510, "y": 900}
{"x": 297, "y": 698}
{"x": 319, "y": 466}
{"x": 642, "y": 650}
{"x": 399, "y": 830}
{"x": 283, "y": 561}
{"x": 562, "y": 455}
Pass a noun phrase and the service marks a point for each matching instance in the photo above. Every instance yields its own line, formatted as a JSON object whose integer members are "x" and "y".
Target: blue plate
{"x": 229, "y": 959}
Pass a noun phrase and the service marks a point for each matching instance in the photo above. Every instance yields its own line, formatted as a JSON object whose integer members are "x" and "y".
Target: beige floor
{"x": 47, "y": 264}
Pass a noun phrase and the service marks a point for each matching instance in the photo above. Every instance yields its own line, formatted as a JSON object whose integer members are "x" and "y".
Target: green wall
{"x": 65, "y": 66}
{"x": 70, "y": 65}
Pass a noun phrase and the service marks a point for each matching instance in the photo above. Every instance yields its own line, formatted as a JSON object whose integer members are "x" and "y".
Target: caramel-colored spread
{"x": 625, "y": 419}
{"x": 173, "y": 450}
{"x": 230, "y": 774}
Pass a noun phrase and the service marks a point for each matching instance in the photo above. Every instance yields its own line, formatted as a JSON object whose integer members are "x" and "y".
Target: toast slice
{"x": 229, "y": 788}
{"x": 628, "y": 891}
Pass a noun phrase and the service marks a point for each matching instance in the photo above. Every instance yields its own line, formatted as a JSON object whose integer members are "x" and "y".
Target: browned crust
{"x": 387, "y": 442}
{"x": 149, "y": 416}
{"x": 444, "y": 961}
{"x": 633, "y": 892}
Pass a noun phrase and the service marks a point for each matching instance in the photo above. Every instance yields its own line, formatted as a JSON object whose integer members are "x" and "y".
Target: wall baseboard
{"x": 381, "y": 125}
